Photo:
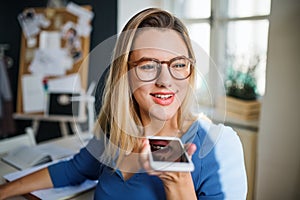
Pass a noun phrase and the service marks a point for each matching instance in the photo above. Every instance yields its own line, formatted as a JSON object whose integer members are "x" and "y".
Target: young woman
{"x": 149, "y": 91}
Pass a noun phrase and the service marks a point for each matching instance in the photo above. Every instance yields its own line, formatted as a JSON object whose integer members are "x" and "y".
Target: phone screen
{"x": 167, "y": 151}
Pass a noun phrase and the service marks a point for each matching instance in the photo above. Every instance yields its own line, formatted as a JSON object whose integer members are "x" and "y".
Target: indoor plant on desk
{"x": 241, "y": 88}
{"x": 241, "y": 80}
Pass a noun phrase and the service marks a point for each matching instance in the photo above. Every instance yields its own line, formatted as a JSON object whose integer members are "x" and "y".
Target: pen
{"x": 45, "y": 84}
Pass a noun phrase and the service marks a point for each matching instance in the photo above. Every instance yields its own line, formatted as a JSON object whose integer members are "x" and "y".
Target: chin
{"x": 162, "y": 113}
{"x": 163, "y": 116}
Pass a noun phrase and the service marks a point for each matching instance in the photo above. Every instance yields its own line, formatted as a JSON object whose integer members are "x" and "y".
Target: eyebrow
{"x": 153, "y": 58}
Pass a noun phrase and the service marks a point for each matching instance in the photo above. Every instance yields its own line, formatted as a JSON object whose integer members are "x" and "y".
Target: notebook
{"x": 24, "y": 157}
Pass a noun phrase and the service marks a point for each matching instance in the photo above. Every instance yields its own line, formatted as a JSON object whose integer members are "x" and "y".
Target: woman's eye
{"x": 179, "y": 65}
{"x": 147, "y": 67}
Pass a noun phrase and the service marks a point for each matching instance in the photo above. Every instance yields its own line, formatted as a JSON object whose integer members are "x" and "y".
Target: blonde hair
{"x": 119, "y": 116}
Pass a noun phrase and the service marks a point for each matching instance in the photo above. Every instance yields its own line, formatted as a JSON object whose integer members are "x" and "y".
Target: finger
{"x": 190, "y": 148}
{"x": 144, "y": 154}
{"x": 145, "y": 148}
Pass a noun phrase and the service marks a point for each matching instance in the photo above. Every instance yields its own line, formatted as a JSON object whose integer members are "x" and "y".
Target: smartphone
{"x": 168, "y": 154}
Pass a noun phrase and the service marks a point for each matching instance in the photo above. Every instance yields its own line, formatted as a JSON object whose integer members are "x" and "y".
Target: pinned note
{"x": 33, "y": 93}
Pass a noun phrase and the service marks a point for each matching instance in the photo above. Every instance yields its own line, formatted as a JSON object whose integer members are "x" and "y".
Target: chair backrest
{"x": 99, "y": 90}
{"x": 27, "y": 139}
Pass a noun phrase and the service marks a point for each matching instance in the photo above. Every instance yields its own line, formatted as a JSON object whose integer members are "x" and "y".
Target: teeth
{"x": 157, "y": 147}
{"x": 161, "y": 96}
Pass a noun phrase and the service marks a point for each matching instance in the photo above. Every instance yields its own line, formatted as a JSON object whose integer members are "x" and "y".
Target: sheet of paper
{"x": 83, "y": 28}
{"x": 51, "y": 62}
{"x": 79, "y": 11}
{"x": 33, "y": 93}
{"x": 29, "y": 23}
{"x": 84, "y": 17}
{"x": 65, "y": 192}
{"x": 24, "y": 157}
{"x": 53, "y": 193}
{"x": 50, "y": 40}
{"x": 71, "y": 84}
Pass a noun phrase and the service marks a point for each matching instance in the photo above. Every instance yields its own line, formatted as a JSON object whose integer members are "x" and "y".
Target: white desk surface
{"x": 71, "y": 142}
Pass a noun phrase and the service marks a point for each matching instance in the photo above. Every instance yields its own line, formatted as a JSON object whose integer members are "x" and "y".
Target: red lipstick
{"x": 163, "y": 98}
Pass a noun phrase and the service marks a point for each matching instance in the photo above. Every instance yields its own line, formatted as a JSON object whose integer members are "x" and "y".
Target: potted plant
{"x": 240, "y": 78}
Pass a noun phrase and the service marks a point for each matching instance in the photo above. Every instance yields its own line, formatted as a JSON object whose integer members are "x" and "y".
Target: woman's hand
{"x": 178, "y": 185}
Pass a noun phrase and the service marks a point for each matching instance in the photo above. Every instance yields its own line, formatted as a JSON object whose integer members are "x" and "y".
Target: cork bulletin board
{"x": 57, "y": 18}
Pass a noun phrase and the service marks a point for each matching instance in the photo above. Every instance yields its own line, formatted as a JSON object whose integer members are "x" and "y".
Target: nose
{"x": 164, "y": 79}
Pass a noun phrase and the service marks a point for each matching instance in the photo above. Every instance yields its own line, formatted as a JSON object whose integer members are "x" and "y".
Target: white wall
{"x": 278, "y": 169}
{"x": 128, "y": 8}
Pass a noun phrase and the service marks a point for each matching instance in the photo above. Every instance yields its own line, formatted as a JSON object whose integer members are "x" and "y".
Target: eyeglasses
{"x": 149, "y": 69}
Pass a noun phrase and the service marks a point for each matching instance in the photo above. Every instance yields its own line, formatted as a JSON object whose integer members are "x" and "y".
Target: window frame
{"x": 218, "y": 21}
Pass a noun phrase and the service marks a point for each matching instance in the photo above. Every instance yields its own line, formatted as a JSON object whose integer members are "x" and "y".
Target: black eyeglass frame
{"x": 135, "y": 63}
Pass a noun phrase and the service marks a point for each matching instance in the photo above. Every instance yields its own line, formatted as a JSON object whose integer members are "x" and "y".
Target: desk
{"x": 36, "y": 118}
{"x": 71, "y": 142}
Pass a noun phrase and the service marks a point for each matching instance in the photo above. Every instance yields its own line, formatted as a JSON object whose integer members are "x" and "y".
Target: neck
{"x": 162, "y": 128}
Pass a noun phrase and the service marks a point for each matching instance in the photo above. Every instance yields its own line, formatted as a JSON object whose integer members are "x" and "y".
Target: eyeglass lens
{"x": 149, "y": 69}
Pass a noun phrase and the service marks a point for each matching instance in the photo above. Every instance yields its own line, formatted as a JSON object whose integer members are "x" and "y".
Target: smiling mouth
{"x": 158, "y": 145}
{"x": 162, "y": 96}
{"x": 163, "y": 99}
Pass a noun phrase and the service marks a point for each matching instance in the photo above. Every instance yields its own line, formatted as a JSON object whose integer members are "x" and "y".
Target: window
{"x": 233, "y": 33}
{"x": 247, "y": 35}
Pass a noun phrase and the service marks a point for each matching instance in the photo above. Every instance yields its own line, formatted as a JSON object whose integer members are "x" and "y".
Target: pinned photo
{"x": 73, "y": 41}
{"x": 31, "y": 22}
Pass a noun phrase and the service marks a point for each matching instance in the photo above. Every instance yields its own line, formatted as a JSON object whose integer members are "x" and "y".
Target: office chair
{"x": 99, "y": 91}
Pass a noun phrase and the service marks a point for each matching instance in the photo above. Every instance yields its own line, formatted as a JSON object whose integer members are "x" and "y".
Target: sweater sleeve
{"x": 82, "y": 166}
{"x": 223, "y": 171}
